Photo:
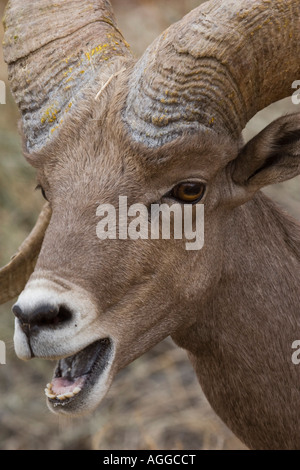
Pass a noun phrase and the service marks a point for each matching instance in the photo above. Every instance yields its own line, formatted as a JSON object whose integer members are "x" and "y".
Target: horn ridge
{"x": 54, "y": 51}
{"x": 214, "y": 69}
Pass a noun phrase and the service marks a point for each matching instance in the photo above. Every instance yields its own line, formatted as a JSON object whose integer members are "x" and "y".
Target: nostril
{"x": 63, "y": 315}
{"x": 42, "y": 316}
{"x": 18, "y": 312}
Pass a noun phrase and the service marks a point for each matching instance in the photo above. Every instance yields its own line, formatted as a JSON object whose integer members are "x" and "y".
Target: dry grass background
{"x": 156, "y": 402}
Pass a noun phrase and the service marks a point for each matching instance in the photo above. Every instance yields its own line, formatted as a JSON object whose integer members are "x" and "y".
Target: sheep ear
{"x": 270, "y": 157}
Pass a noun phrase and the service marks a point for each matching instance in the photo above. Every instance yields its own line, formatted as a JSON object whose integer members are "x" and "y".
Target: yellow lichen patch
{"x": 67, "y": 72}
{"x": 172, "y": 100}
{"x": 160, "y": 121}
{"x": 105, "y": 51}
{"x": 68, "y": 107}
{"x": 243, "y": 15}
{"x": 255, "y": 30}
{"x": 267, "y": 21}
{"x": 50, "y": 115}
{"x": 126, "y": 44}
{"x": 101, "y": 48}
{"x": 96, "y": 50}
{"x": 171, "y": 93}
{"x": 56, "y": 127}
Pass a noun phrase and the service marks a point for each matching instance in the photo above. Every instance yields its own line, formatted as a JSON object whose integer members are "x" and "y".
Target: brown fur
{"x": 234, "y": 305}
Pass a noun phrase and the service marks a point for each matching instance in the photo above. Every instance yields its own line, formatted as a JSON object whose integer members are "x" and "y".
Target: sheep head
{"x": 98, "y": 124}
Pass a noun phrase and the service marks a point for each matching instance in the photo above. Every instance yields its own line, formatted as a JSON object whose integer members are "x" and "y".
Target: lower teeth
{"x": 50, "y": 394}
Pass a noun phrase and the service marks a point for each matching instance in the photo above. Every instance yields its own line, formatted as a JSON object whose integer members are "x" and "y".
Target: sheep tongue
{"x": 60, "y": 385}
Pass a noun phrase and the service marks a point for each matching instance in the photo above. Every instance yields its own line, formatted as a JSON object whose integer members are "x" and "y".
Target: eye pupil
{"x": 188, "y": 192}
{"x": 190, "y": 189}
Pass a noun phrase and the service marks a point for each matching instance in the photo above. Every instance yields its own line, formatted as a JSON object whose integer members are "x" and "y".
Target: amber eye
{"x": 188, "y": 193}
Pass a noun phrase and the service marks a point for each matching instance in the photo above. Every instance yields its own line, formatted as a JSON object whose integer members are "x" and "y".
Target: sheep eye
{"x": 189, "y": 193}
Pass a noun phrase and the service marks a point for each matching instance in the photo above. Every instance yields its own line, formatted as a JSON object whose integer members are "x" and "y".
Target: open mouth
{"x": 76, "y": 376}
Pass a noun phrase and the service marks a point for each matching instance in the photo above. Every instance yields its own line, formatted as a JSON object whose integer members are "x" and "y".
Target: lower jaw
{"x": 90, "y": 387}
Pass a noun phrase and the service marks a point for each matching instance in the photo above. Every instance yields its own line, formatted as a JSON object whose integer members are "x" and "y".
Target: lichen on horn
{"x": 214, "y": 69}
{"x": 53, "y": 51}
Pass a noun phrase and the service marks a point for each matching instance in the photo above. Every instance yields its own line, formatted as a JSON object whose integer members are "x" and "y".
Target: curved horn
{"x": 54, "y": 49}
{"x": 15, "y": 274}
{"x": 216, "y": 68}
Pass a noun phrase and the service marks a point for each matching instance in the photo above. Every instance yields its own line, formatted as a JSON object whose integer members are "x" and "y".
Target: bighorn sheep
{"x": 166, "y": 127}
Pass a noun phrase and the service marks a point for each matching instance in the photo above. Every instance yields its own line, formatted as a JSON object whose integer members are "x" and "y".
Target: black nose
{"x": 42, "y": 316}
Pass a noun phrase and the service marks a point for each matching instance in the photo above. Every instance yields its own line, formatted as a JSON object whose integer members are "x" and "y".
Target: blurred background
{"x": 156, "y": 402}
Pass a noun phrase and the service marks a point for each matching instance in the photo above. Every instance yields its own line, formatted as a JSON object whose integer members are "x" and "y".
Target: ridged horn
{"x": 216, "y": 68}
{"x": 15, "y": 274}
{"x": 54, "y": 49}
